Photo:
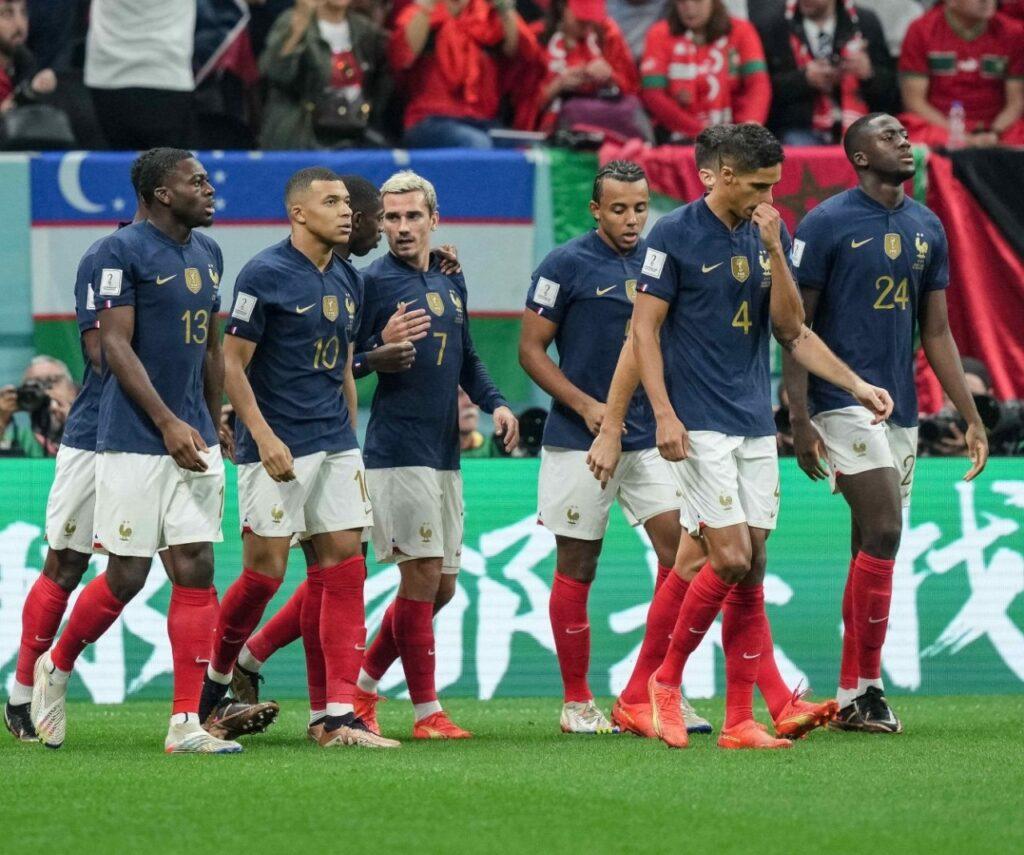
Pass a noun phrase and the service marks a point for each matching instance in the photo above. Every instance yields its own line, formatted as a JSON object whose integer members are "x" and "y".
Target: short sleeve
{"x": 811, "y": 255}
{"x": 914, "y": 52}
{"x": 113, "y": 276}
{"x": 749, "y": 48}
{"x": 659, "y": 275}
{"x": 551, "y": 288}
{"x": 85, "y": 296}
{"x": 936, "y": 275}
{"x": 253, "y": 292}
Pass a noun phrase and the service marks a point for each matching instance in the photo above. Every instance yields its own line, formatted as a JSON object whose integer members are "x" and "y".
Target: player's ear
{"x": 163, "y": 195}
{"x": 726, "y": 175}
{"x": 594, "y": 208}
{"x": 297, "y": 214}
{"x": 435, "y": 219}
{"x": 860, "y": 159}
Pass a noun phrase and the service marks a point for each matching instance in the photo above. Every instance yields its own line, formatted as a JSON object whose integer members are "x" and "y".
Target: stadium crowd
{"x": 312, "y": 74}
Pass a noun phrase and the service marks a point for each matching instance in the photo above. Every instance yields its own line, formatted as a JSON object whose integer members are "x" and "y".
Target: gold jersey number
{"x": 886, "y": 285}
{"x": 325, "y": 352}
{"x": 197, "y": 325}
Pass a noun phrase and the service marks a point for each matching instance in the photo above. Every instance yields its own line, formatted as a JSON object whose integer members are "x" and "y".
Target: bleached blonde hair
{"x": 408, "y": 181}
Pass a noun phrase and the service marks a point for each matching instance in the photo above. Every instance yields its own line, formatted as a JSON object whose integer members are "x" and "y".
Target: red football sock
{"x": 414, "y": 634}
{"x": 281, "y": 630}
{"x": 571, "y": 628}
{"x": 742, "y": 640}
{"x": 241, "y": 609}
{"x": 40, "y": 619}
{"x": 191, "y": 623}
{"x": 663, "y": 573}
{"x": 848, "y": 666}
{"x": 872, "y": 594}
{"x": 343, "y": 627}
{"x": 661, "y": 620}
{"x": 316, "y": 670}
{"x": 94, "y": 613}
{"x": 772, "y": 687}
{"x": 701, "y": 605}
{"x": 384, "y": 649}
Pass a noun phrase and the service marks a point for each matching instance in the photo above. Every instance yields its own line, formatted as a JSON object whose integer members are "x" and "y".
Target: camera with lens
{"x": 32, "y": 396}
{"x": 1004, "y": 424}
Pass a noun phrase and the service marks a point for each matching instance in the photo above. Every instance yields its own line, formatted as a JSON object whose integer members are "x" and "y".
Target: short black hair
{"x": 749, "y": 147}
{"x": 304, "y": 178}
{"x": 706, "y": 150}
{"x": 151, "y": 168}
{"x": 617, "y": 170}
{"x": 853, "y": 139}
{"x": 363, "y": 195}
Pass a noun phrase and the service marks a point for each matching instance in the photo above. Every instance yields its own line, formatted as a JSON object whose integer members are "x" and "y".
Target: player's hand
{"x": 809, "y": 450}
{"x": 769, "y": 223}
{"x": 276, "y": 459}
{"x": 977, "y": 449}
{"x": 672, "y": 438}
{"x": 183, "y": 443}
{"x": 875, "y": 399}
{"x": 392, "y": 358}
{"x": 592, "y": 413}
{"x": 603, "y": 457}
{"x": 449, "y": 257}
{"x": 506, "y": 425}
{"x": 404, "y": 325}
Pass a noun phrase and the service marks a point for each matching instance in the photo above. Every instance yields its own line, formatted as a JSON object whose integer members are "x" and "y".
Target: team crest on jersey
{"x": 331, "y": 307}
{"x": 214, "y": 275}
{"x": 572, "y": 515}
{"x": 70, "y": 526}
{"x": 124, "y": 531}
{"x": 740, "y": 268}
{"x": 893, "y": 245}
{"x": 921, "y": 245}
{"x": 725, "y": 501}
{"x": 193, "y": 279}
{"x": 631, "y": 290}
{"x": 350, "y": 305}
{"x": 276, "y": 514}
{"x": 426, "y": 532}
{"x": 860, "y": 448}
{"x": 765, "y": 261}
{"x": 435, "y": 302}
{"x": 456, "y": 299}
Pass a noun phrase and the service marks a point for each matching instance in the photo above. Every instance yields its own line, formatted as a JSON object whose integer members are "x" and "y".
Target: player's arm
{"x": 1012, "y": 110}
{"x": 348, "y": 388}
{"x": 944, "y": 358}
{"x": 536, "y": 335}
{"x": 93, "y": 348}
{"x": 806, "y": 441}
{"x": 183, "y": 442}
{"x": 606, "y": 449}
{"x": 785, "y": 306}
{"x": 274, "y": 454}
{"x": 649, "y": 314}
{"x": 477, "y": 383}
{"x": 213, "y": 387}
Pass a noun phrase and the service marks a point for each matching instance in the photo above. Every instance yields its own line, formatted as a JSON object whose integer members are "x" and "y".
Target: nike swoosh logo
{"x": 602, "y": 291}
{"x": 857, "y": 244}
{"x": 877, "y": 620}
{"x": 749, "y": 656}
{"x": 239, "y": 640}
{"x": 705, "y": 269}
{"x": 202, "y": 661}
{"x": 570, "y": 631}
{"x": 303, "y": 311}
{"x": 162, "y": 280}
{"x": 360, "y": 647}
{"x": 430, "y": 652}
{"x": 696, "y": 631}
{"x": 44, "y": 639}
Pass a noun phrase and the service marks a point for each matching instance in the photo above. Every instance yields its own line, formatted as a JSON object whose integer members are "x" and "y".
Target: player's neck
{"x": 164, "y": 222}
{"x": 720, "y": 208}
{"x": 608, "y": 242}
{"x": 318, "y": 252}
{"x": 885, "y": 194}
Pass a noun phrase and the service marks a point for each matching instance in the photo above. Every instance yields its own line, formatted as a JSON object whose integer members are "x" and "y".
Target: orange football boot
{"x": 438, "y": 726}
{"x": 750, "y": 734}
{"x": 365, "y": 704}
{"x": 636, "y": 718}
{"x": 800, "y": 717}
{"x": 666, "y": 714}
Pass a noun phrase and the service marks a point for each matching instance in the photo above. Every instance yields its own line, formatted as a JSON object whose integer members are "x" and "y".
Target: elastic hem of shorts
{"x": 667, "y": 509}
{"x": 197, "y": 538}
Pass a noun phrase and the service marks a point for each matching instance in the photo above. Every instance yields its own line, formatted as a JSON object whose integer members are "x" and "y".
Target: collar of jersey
{"x": 704, "y": 209}
{"x": 601, "y": 246}
{"x": 167, "y": 239}
{"x": 433, "y": 267}
{"x": 302, "y": 259}
{"x": 876, "y": 205}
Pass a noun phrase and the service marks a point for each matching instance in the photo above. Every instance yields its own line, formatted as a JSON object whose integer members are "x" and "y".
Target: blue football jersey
{"x": 871, "y": 265}
{"x": 414, "y": 419}
{"x": 302, "y": 321}
{"x": 588, "y": 289}
{"x": 716, "y": 335}
{"x": 174, "y": 289}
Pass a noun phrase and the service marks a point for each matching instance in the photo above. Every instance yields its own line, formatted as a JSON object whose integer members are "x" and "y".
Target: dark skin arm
{"x": 93, "y": 348}
{"x": 807, "y": 445}
{"x": 183, "y": 442}
{"x": 213, "y": 385}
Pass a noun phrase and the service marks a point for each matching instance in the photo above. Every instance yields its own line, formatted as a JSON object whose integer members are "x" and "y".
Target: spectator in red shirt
{"x": 702, "y": 67}
{"x": 450, "y": 56}
{"x": 964, "y": 52}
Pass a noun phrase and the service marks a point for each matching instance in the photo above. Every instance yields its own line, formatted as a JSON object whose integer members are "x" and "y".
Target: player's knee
{"x": 193, "y": 566}
{"x": 126, "y": 582}
{"x": 67, "y": 569}
{"x": 732, "y": 564}
{"x": 445, "y": 591}
{"x": 882, "y": 540}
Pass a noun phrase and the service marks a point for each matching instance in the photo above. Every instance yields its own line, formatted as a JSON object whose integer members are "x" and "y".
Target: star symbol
{"x": 219, "y": 204}
{"x": 118, "y": 204}
{"x": 220, "y": 176}
{"x": 810, "y": 193}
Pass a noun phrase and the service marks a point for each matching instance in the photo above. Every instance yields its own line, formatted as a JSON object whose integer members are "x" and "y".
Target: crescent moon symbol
{"x": 71, "y": 186}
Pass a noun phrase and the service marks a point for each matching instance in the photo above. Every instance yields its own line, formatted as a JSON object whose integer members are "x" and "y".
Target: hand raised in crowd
{"x": 404, "y": 325}
{"x": 8, "y": 403}
{"x": 599, "y": 71}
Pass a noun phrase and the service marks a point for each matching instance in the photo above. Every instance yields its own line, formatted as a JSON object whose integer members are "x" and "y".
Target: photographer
{"x": 45, "y": 395}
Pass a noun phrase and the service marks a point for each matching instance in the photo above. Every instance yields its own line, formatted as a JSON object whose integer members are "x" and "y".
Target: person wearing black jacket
{"x": 829, "y": 64}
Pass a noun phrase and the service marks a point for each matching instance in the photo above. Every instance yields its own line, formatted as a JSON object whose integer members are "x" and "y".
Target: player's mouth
{"x": 208, "y": 210}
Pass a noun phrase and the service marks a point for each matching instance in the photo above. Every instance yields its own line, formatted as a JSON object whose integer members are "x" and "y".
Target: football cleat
{"x": 48, "y": 696}
{"x": 584, "y": 717}
{"x": 869, "y": 713}
{"x": 350, "y": 730}
{"x": 800, "y": 717}
{"x": 189, "y": 738}
{"x": 232, "y": 719}
{"x": 366, "y": 708}
{"x": 694, "y": 722}
{"x": 634, "y": 718}
{"x": 315, "y": 730}
{"x": 18, "y": 719}
{"x": 213, "y": 694}
{"x": 667, "y": 714}
{"x": 438, "y": 726}
{"x": 750, "y": 734}
{"x": 245, "y": 685}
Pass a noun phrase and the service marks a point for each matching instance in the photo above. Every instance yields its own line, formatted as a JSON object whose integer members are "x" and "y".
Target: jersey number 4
{"x": 742, "y": 318}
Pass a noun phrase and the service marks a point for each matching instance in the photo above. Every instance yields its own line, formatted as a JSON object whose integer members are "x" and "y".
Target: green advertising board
{"x": 957, "y": 624}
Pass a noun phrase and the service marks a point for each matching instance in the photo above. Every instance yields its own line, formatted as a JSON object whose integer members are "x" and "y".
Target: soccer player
{"x": 581, "y": 297}
{"x": 412, "y": 448}
{"x": 872, "y": 265}
{"x": 159, "y": 473}
{"x": 288, "y": 359}
{"x": 715, "y": 279}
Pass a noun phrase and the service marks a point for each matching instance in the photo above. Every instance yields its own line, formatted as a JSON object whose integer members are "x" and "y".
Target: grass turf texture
{"x": 952, "y": 782}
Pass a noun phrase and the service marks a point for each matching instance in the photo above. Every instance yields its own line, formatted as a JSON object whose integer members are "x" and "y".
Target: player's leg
{"x": 283, "y": 628}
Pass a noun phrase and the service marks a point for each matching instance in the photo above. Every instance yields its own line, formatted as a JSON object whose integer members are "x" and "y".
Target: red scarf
{"x": 461, "y": 43}
{"x": 828, "y": 112}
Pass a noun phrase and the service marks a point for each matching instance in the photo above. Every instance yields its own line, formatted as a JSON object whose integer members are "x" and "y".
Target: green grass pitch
{"x": 951, "y": 783}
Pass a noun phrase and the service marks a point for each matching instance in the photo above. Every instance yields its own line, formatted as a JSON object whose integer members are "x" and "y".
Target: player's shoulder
{"x": 566, "y": 257}
{"x": 924, "y": 215}
{"x": 264, "y": 268}
{"x": 825, "y": 214}
{"x": 207, "y": 243}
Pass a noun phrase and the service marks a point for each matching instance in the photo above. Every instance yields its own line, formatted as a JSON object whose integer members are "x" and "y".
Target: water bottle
{"x": 957, "y": 127}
